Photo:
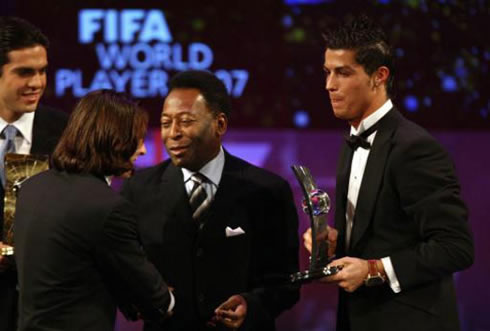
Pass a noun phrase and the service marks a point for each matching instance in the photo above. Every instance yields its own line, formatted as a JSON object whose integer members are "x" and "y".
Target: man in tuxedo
{"x": 221, "y": 231}
{"x": 402, "y": 226}
{"x": 25, "y": 126}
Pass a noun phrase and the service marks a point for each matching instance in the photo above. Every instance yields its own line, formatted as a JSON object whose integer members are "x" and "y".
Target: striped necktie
{"x": 199, "y": 199}
{"x": 8, "y": 146}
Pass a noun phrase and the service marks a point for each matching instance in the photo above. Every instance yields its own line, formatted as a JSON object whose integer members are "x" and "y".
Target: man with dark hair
{"x": 76, "y": 244}
{"x": 221, "y": 231}
{"x": 25, "y": 126}
{"x": 402, "y": 226}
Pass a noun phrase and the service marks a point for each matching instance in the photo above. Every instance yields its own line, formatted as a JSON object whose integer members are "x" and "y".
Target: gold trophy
{"x": 18, "y": 168}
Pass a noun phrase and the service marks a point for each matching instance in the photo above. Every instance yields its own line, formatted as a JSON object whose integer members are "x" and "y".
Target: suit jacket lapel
{"x": 174, "y": 199}
{"x": 40, "y": 135}
{"x": 343, "y": 171}
{"x": 43, "y": 141}
{"x": 225, "y": 195}
{"x": 373, "y": 176}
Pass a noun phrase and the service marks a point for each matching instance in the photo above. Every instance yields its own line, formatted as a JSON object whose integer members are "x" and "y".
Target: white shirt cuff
{"x": 172, "y": 302}
{"x": 390, "y": 273}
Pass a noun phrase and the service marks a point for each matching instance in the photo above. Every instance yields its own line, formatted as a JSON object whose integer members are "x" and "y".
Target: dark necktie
{"x": 198, "y": 198}
{"x": 9, "y": 133}
{"x": 361, "y": 140}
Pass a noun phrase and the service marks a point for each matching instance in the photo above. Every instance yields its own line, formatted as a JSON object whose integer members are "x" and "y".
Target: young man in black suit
{"x": 221, "y": 231}
{"x": 76, "y": 244}
{"x": 36, "y": 128}
{"x": 402, "y": 226}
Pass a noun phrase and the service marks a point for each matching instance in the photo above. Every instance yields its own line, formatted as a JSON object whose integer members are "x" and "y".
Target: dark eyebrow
{"x": 341, "y": 68}
{"x": 29, "y": 69}
{"x": 184, "y": 113}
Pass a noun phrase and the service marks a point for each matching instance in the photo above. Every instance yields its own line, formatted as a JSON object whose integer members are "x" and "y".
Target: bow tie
{"x": 361, "y": 140}
{"x": 357, "y": 141}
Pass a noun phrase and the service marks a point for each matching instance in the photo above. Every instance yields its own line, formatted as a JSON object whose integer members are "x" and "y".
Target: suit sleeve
{"x": 125, "y": 265}
{"x": 278, "y": 259}
{"x": 126, "y": 191}
{"x": 430, "y": 196}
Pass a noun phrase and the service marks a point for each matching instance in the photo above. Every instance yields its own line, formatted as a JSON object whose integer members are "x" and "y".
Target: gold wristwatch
{"x": 374, "y": 277}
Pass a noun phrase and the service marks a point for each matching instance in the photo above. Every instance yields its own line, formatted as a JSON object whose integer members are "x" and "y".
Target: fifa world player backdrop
{"x": 264, "y": 52}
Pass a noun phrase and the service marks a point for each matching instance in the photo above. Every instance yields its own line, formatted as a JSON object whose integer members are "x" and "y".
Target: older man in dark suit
{"x": 221, "y": 231}
{"x": 402, "y": 226}
{"x": 31, "y": 128}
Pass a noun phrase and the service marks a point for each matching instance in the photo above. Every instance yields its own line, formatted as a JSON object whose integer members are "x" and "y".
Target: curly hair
{"x": 210, "y": 86}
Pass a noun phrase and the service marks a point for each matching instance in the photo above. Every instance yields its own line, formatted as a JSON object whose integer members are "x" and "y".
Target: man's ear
{"x": 381, "y": 76}
{"x": 221, "y": 124}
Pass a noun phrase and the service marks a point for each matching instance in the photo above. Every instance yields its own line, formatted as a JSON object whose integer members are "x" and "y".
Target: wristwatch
{"x": 374, "y": 277}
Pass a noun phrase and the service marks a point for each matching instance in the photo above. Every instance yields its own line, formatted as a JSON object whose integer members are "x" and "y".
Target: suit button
{"x": 200, "y": 297}
{"x": 199, "y": 252}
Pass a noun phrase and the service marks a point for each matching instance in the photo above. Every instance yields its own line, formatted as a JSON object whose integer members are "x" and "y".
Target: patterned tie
{"x": 8, "y": 146}
{"x": 198, "y": 198}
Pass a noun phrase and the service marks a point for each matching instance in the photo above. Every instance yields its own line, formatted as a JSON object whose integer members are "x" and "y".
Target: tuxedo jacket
{"x": 78, "y": 255}
{"x": 197, "y": 258}
{"x": 409, "y": 208}
{"x": 47, "y": 128}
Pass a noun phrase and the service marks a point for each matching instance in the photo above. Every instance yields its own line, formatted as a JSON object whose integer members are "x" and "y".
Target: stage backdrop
{"x": 269, "y": 53}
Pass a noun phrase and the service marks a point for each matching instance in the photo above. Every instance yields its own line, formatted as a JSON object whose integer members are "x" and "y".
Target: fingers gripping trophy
{"x": 316, "y": 204}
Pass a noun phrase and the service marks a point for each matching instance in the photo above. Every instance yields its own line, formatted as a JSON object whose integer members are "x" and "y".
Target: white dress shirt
{"x": 212, "y": 170}
{"x": 359, "y": 160}
{"x": 23, "y": 140}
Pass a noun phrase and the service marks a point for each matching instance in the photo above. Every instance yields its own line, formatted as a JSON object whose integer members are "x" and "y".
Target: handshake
{"x": 5, "y": 252}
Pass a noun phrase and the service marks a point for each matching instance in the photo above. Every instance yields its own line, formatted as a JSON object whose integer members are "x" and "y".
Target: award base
{"x": 7, "y": 251}
{"x": 311, "y": 275}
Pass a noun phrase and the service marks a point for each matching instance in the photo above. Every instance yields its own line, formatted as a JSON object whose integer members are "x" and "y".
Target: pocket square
{"x": 233, "y": 232}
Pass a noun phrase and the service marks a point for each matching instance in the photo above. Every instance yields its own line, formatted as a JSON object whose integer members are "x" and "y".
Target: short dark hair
{"x": 211, "y": 87}
{"x": 102, "y": 134}
{"x": 369, "y": 43}
{"x": 16, "y": 33}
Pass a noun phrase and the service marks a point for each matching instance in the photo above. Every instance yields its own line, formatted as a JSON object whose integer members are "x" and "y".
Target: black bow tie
{"x": 357, "y": 141}
{"x": 361, "y": 140}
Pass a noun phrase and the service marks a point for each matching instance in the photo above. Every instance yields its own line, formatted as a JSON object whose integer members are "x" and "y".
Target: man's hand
{"x": 5, "y": 261}
{"x": 329, "y": 235}
{"x": 352, "y": 274}
{"x": 232, "y": 312}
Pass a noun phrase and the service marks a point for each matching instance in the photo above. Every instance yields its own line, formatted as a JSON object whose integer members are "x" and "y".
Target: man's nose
{"x": 175, "y": 130}
{"x": 330, "y": 83}
{"x": 142, "y": 150}
{"x": 37, "y": 80}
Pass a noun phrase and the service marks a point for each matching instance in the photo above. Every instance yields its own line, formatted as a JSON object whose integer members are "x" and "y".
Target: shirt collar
{"x": 372, "y": 119}
{"x": 212, "y": 170}
{"x": 23, "y": 125}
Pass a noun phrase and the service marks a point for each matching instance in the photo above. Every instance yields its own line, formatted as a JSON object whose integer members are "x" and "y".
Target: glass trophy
{"x": 316, "y": 204}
